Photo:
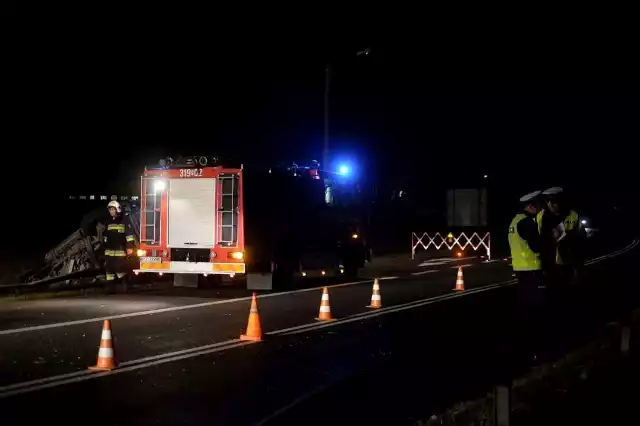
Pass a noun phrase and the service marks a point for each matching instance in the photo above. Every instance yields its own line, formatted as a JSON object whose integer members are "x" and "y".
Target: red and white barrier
{"x": 475, "y": 241}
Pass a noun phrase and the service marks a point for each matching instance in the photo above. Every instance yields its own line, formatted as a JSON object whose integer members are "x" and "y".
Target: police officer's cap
{"x": 556, "y": 190}
{"x": 530, "y": 196}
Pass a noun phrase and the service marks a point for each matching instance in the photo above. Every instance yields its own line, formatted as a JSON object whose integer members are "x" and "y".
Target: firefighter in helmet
{"x": 119, "y": 242}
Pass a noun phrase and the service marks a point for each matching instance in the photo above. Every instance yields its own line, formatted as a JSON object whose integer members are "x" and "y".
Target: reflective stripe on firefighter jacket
{"x": 522, "y": 257}
{"x": 571, "y": 223}
{"x": 116, "y": 237}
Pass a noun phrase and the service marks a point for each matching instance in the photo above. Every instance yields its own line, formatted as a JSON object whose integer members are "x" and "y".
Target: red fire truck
{"x": 191, "y": 219}
{"x": 192, "y": 224}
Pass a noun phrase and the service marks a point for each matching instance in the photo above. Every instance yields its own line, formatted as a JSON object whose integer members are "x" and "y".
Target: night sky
{"x": 424, "y": 111}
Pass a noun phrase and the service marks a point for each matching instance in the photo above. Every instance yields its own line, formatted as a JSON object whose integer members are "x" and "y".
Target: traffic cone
{"x": 376, "y": 300}
{"x": 106, "y": 357}
{"x": 325, "y": 307}
{"x": 459, "y": 280}
{"x": 254, "y": 329}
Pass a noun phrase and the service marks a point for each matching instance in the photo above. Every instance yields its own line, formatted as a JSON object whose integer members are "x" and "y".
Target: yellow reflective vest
{"x": 571, "y": 222}
{"x": 522, "y": 257}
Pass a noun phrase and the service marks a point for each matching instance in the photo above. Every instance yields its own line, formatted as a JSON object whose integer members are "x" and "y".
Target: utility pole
{"x": 327, "y": 88}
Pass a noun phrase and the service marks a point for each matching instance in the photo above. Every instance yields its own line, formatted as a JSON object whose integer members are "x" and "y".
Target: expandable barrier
{"x": 475, "y": 241}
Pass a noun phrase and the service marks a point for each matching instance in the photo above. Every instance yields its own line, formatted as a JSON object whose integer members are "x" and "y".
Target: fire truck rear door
{"x": 191, "y": 213}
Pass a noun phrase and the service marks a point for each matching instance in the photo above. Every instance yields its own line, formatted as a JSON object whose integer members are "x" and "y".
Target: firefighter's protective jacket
{"x": 117, "y": 236}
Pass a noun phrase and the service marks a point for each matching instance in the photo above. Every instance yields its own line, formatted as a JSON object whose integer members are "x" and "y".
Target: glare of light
{"x": 160, "y": 273}
{"x": 344, "y": 170}
{"x": 204, "y": 275}
{"x": 584, "y": 221}
{"x": 342, "y": 271}
{"x": 323, "y": 273}
{"x": 304, "y": 274}
{"x": 141, "y": 252}
{"x": 159, "y": 185}
{"x": 486, "y": 176}
{"x": 459, "y": 254}
{"x": 238, "y": 255}
{"x": 231, "y": 275}
{"x": 354, "y": 236}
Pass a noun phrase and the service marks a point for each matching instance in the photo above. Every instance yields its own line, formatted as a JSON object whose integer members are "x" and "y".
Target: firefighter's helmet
{"x": 115, "y": 205}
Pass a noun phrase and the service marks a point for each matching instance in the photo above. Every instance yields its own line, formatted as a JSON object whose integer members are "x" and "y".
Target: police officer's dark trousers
{"x": 532, "y": 299}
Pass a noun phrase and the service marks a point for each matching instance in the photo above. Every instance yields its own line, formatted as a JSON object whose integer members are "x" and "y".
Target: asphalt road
{"x": 181, "y": 361}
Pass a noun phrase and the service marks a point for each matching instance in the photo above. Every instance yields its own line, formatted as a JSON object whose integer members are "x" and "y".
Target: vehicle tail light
{"x": 237, "y": 255}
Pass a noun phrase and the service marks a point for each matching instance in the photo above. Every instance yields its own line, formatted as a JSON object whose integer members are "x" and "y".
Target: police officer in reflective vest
{"x": 524, "y": 242}
{"x": 562, "y": 238}
{"x": 118, "y": 243}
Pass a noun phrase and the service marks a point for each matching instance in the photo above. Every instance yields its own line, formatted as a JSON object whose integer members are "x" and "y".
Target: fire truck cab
{"x": 191, "y": 220}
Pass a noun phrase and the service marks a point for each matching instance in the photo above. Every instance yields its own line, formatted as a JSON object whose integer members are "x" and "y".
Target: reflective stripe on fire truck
{"x": 228, "y": 267}
{"x": 111, "y": 277}
{"x": 195, "y": 267}
{"x": 164, "y": 266}
{"x": 116, "y": 253}
{"x": 131, "y": 239}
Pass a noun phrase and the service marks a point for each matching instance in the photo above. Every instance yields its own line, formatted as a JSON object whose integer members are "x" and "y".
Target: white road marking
{"x": 169, "y": 309}
{"x": 184, "y": 307}
{"x": 435, "y": 262}
{"x": 54, "y": 381}
{"x": 464, "y": 266}
{"x": 388, "y": 278}
{"x": 121, "y": 364}
{"x": 383, "y": 311}
{"x": 424, "y": 272}
{"x": 48, "y": 382}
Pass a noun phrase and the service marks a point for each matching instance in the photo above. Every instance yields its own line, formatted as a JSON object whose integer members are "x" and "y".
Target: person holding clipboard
{"x": 561, "y": 236}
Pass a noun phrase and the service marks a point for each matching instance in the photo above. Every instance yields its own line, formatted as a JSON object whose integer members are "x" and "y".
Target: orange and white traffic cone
{"x": 254, "y": 329}
{"x": 106, "y": 357}
{"x": 459, "y": 280}
{"x": 325, "y": 307}
{"x": 376, "y": 300}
